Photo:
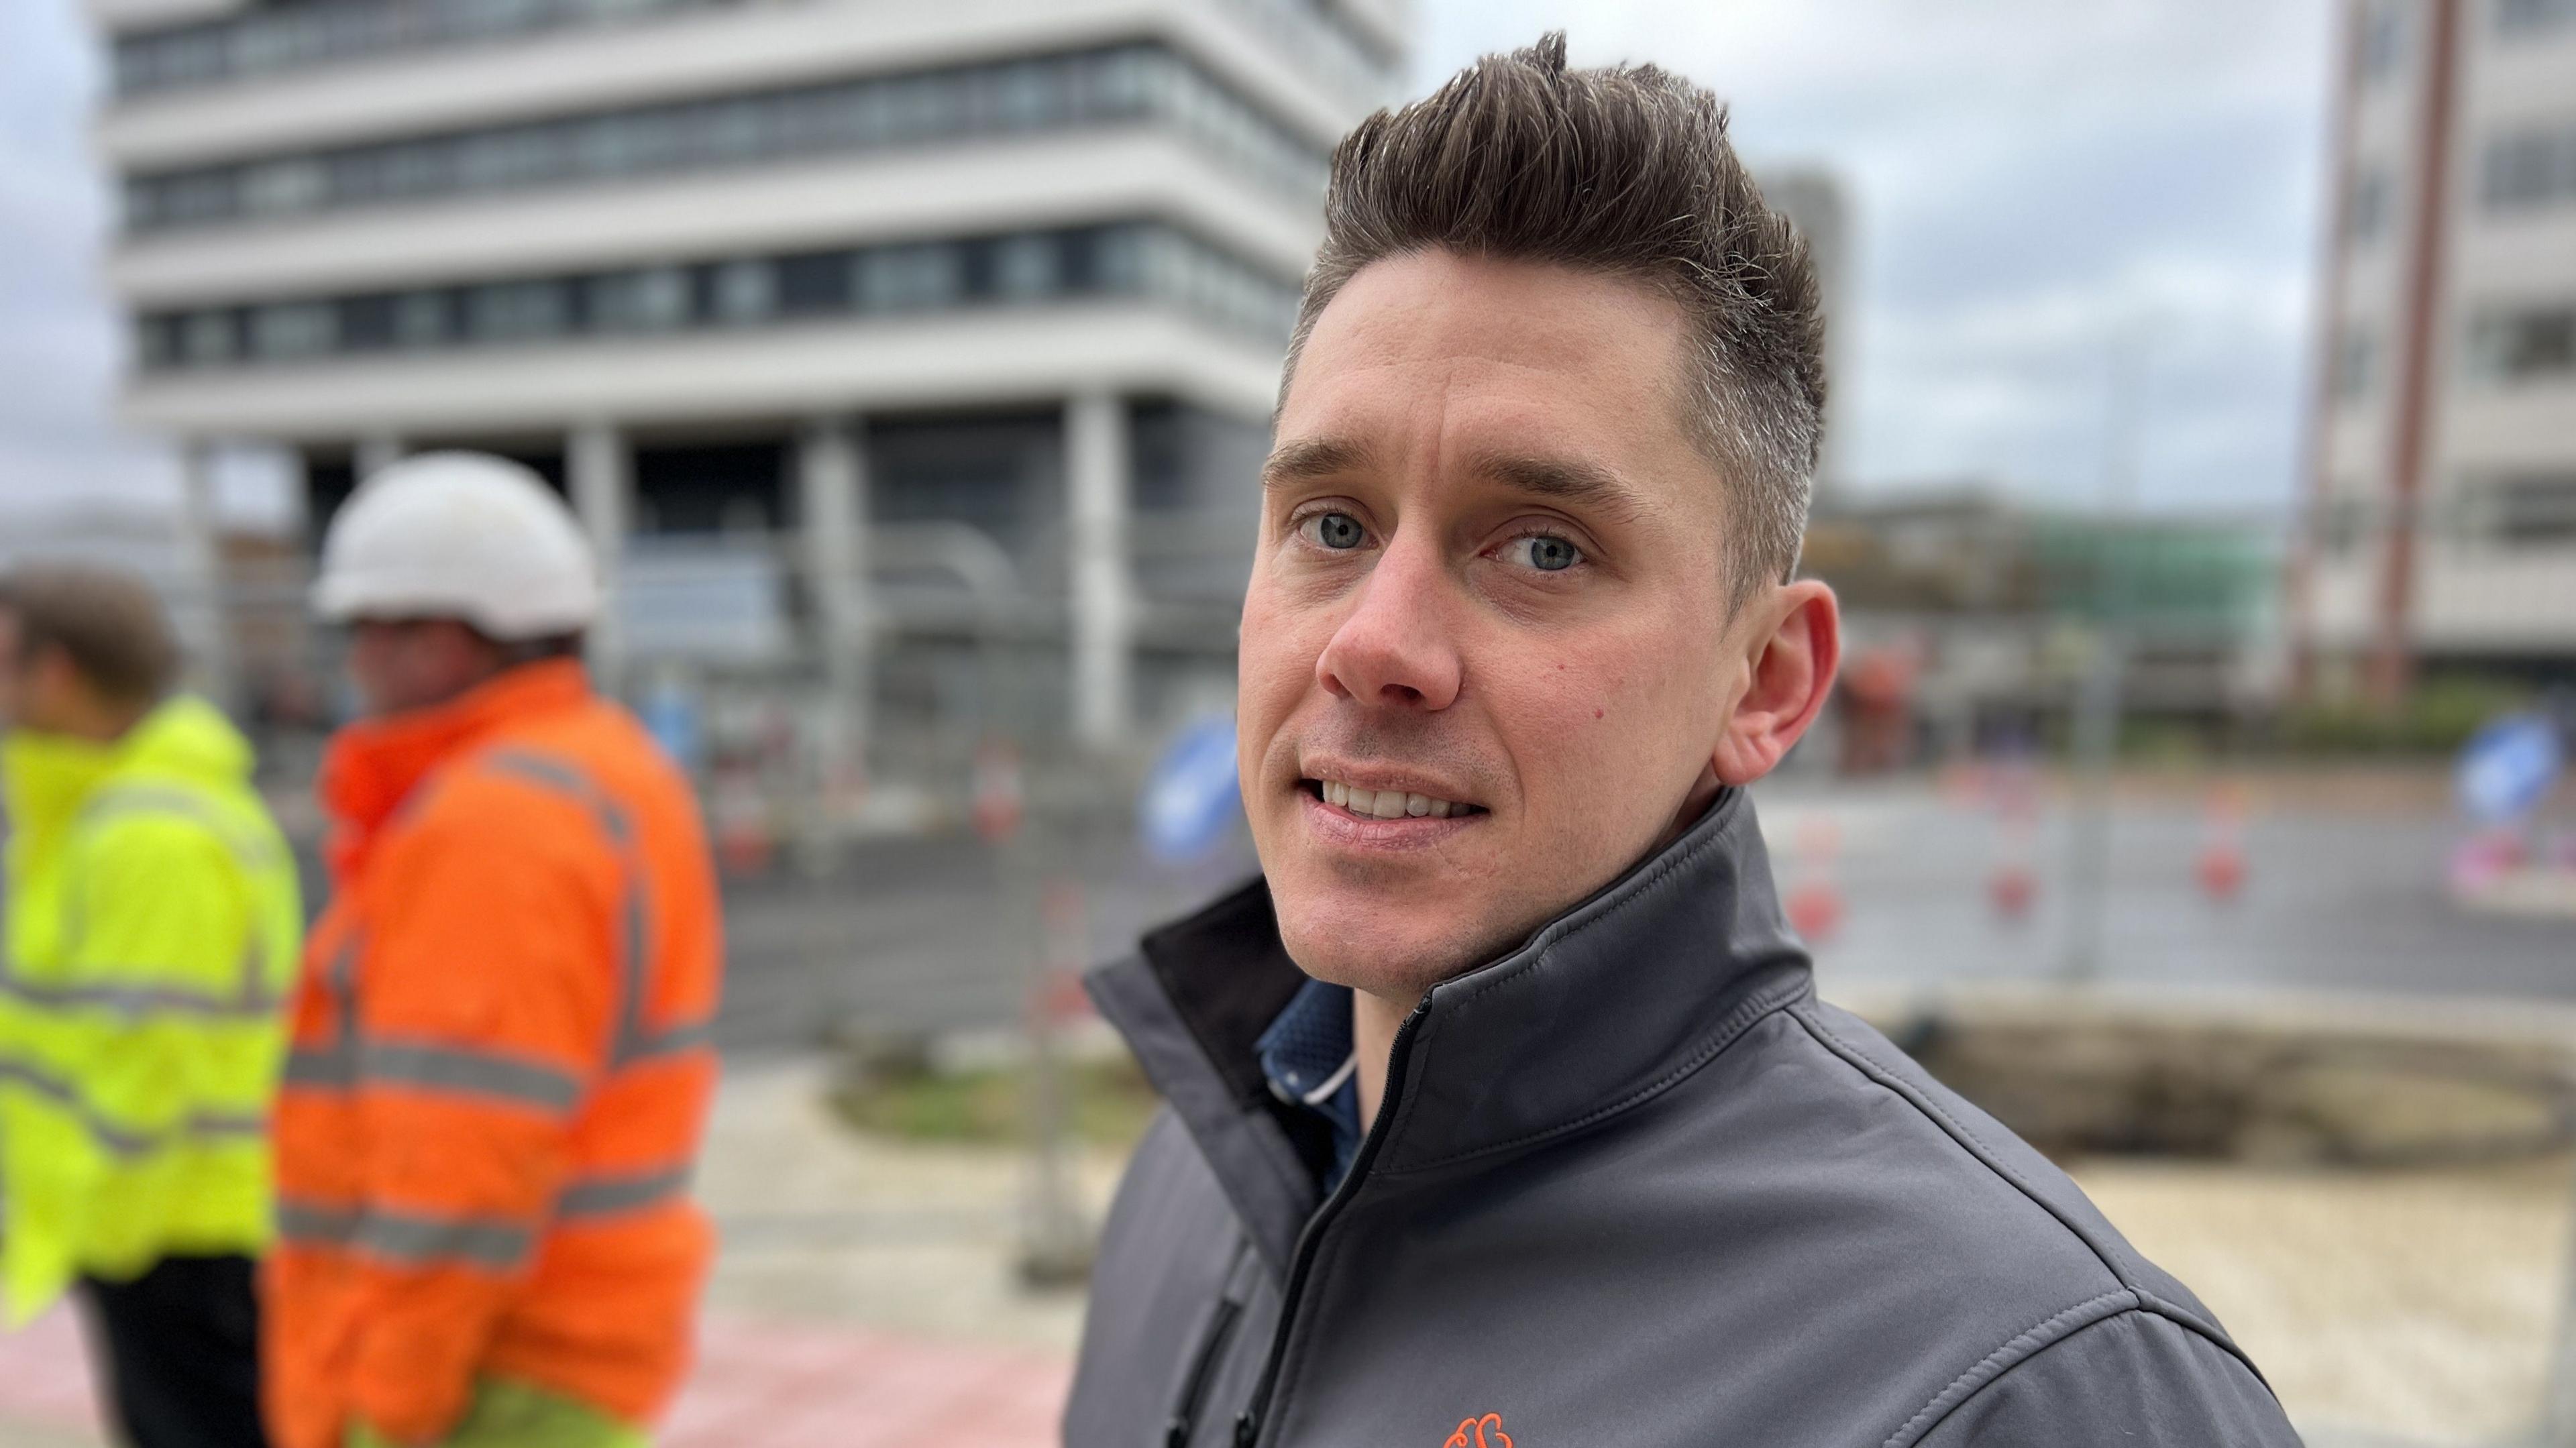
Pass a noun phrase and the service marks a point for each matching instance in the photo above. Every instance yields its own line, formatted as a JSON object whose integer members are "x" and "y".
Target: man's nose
{"x": 1396, "y": 645}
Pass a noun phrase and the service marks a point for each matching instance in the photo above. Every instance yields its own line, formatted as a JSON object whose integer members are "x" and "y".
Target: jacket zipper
{"x": 1247, "y": 1427}
{"x": 1185, "y": 1413}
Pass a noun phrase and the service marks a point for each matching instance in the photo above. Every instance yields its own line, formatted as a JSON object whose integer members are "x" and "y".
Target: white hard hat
{"x": 459, "y": 535}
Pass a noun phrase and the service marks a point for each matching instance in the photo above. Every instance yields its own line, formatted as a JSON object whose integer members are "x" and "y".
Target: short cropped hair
{"x": 108, "y": 622}
{"x": 1624, "y": 170}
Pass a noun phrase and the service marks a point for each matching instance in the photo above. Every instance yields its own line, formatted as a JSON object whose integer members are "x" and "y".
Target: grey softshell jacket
{"x": 1632, "y": 1187}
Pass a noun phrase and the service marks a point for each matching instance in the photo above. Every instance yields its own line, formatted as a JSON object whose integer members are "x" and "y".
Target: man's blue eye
{"x": 1550, "y": 555}
{"x": 1337, "y": 531}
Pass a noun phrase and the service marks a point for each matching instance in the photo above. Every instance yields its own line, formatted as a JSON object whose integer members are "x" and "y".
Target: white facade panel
{"x": 2528, "y": 428}
{"x": 2483, "y": 599}
{"x": 774, "y": 373}
{"x": 2342, "y": 599}
{"x": 1025, "y": 182}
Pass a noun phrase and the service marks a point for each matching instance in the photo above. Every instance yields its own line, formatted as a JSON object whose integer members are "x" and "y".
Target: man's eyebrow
{"x": 1563, "y": 480}
{"x": 1309, "y": 458}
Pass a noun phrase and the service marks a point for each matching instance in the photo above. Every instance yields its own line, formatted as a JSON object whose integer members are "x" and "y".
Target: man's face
{"x": 13, "y": 667}
{"x": 404, "y": 664}
{"x": 1490, "y": 575}
{"x": 39, "y": 689}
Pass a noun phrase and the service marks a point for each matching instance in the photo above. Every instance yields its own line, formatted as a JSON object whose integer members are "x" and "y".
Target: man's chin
{"x": 1395, "y": 965}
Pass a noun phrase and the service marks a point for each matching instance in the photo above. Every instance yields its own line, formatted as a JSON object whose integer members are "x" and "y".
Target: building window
{"x": 812, "y": 284}
{"x": 516, "y": 311}
{"x": 644, "y": 301}
{"x": 210, "y": 337}
{"x": 424, "y": 319}
{"x": 2529, "y": 170}
{"x": 278, "y": 187}
{"x": 2532, "y": 17}
{"x": 2356, "y": 366}
{"x": 2337, "y": 521}
{"x": 2524, "y": 510}
{"x": 1084, "y": 87}
{"x": 1026, "y": 268}
{"x": 746, "y": 291}
{"x": 2383, "y": 39}
{"x": 2525, "y": 345}
{"x": 156, "y": 343}
{"x": 290, "y": 37}
{"x": 909, "y": 278}
{"x": 2367, "y": 205}
{"x": 294, "y": 329}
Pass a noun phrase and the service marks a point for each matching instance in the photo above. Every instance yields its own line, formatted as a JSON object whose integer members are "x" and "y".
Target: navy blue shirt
{"x": 1308, "y": 1057}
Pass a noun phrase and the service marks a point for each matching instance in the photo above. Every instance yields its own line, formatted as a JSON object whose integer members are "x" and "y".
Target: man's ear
{"x": 1793, "y": 645}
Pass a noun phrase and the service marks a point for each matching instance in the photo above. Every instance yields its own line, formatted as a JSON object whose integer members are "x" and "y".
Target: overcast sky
{"x": 2032, "y": 182}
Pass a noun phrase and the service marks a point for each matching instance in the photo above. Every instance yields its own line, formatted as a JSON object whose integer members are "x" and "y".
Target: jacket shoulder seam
{"x": 1975, "y": 1146}
{"x": 2020, "y": 1348}
{"x": 1967, "y": 1139}
{"x": 2065, "y": 1327}
{"x": 1743, "y": 1018}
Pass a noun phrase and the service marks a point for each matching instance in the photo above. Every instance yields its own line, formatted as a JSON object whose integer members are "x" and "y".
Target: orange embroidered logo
{"x": 1471, "y": 1433}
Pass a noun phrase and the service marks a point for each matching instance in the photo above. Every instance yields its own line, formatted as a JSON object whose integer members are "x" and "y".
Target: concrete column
{"x": 201, "y": 610}
{"x": 1098, "y": 474}
{"x": 601, "y": 472}
{"x": 377, "y": 451}
{"x": 832, "y": 488}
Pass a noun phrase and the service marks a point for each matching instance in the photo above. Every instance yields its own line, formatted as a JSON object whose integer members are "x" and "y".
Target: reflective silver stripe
{"x": 679, "y": 1040}
{"x": 610, "y": 1196}
{"x": 436, "y": 1068}
{"x": 116, "y": 1140}
{"x": 332, "y": 1066}
{"x": 554, "y": 774}
{"x": 630, "y": 1041}
{"x": 130, "y": 798}
{"x": 251, "y": 997}
{"x": 412, "y": 1239}
{"x": 142, "y": 1001}
{"x": 477, "y": 1073}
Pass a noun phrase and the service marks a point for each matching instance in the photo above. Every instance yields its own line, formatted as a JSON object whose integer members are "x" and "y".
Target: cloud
{"x": 60, "y": 345}
{"x": 2031, "y": 183}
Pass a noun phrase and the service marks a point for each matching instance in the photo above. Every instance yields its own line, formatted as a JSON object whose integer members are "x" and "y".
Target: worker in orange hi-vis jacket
{"x": 500, "y": 1069}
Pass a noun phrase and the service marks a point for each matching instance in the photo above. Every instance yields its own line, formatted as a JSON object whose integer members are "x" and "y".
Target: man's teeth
{"x": 1388, "y": 804}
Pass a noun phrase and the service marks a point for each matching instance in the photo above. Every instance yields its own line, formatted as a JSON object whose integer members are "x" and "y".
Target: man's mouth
{"x": 1386, "y": 804}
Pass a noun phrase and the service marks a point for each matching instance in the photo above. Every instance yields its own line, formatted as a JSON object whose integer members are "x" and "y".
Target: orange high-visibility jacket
{"x": 500, "y": 1071}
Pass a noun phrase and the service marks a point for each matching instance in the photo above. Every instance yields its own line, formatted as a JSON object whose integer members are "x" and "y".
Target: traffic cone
{"x": 744, "y": 840}
{"x": 1815, "y": 904}
{"x": 2013, "y": 888}
{"x": 2221, "y": 866}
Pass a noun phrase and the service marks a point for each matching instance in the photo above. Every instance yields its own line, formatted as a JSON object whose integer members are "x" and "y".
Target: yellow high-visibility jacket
{"x": 153, "y": 929}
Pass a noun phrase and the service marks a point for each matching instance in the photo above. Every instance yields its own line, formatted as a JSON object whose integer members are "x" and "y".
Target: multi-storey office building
{"x": 840, "y": 275}
{"x": 2443, "y": 525}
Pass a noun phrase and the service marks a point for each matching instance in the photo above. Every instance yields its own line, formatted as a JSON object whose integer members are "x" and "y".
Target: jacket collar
{"x": 1600, "y": 1009}
{"x": 45, "y": 779}
{"x": 372, "y": 766}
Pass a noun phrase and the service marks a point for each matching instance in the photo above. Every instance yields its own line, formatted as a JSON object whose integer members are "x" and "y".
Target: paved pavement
{"x": 759, "y": 1384}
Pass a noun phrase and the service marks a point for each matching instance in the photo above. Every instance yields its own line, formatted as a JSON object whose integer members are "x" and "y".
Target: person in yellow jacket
{"x": 152, "y": 932}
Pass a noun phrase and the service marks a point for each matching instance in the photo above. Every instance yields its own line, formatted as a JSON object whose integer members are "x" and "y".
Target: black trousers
{"x": 178, "y": 1353}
